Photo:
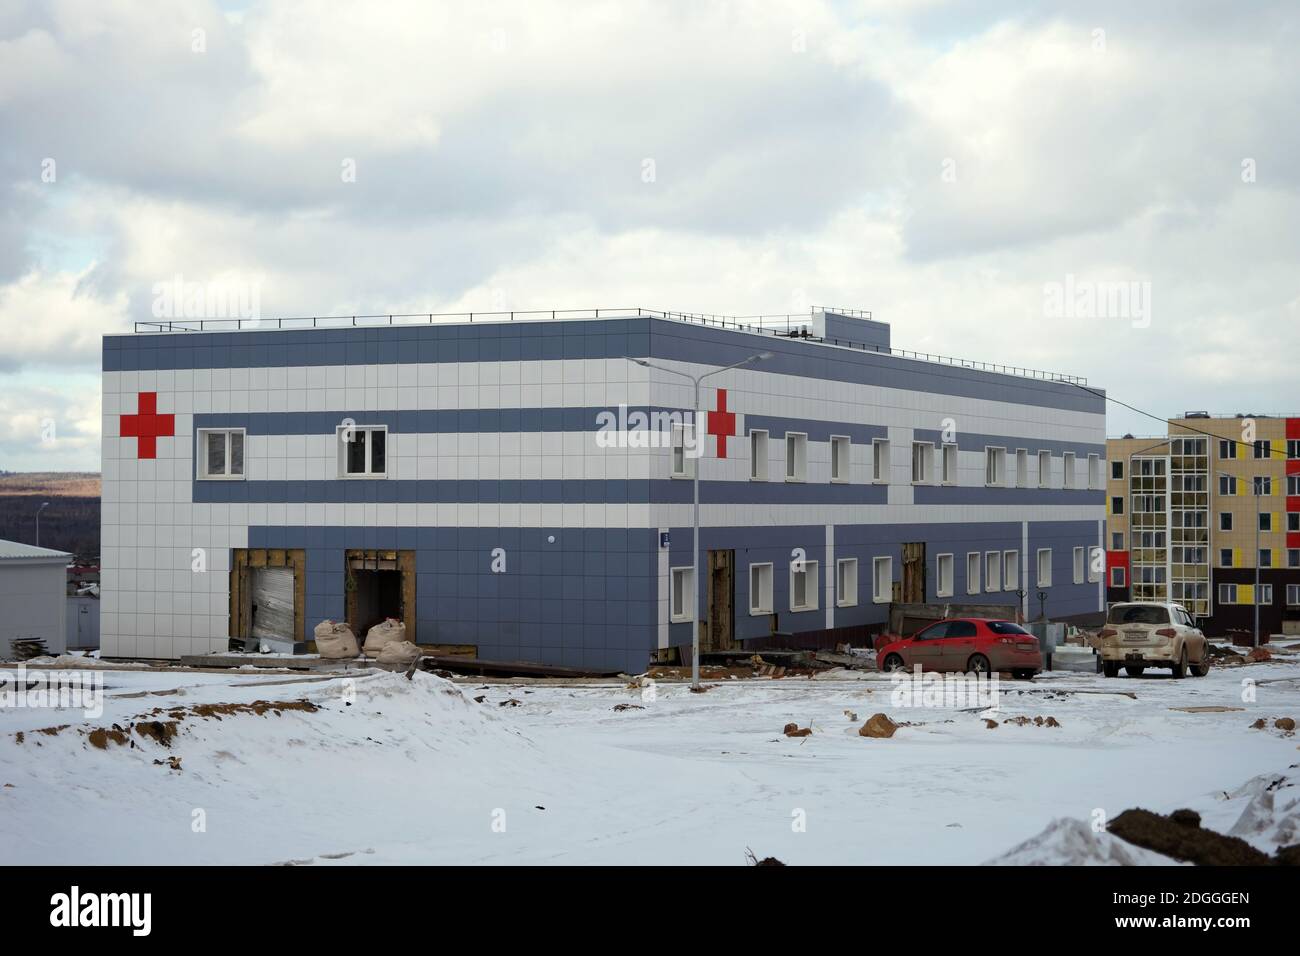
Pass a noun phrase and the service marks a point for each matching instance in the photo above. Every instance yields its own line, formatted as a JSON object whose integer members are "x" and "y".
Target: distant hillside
{"x": 70, "y": 523}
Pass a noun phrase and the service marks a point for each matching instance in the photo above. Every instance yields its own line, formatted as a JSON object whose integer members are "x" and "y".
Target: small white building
{"x": 33, "y": 600}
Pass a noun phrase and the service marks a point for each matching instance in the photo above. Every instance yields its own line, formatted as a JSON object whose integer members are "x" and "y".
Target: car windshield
{"x": 1138, "y": 614}
{"x": 1006, "y": 627}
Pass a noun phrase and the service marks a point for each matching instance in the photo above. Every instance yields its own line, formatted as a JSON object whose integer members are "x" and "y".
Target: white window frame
{"x": 974, "y": 561}
{"x": 997, "y": 458}
{"x": 949, "y": 464}
{"x": 227, "y": 475}
{"x": 1080, "y": 557}
{"x": 841, "y": 459}
{"x": 1117, "y": 577}
{"x": 1044, "y": 469}
{"x": 370, "y": 451}
{"x": 943, "y": 588}
{"x": 683, "y": 466}
{"x": 1011, "y": 570}
{"x": 1113, "y": 464}
{"x": 796, "y": 456}
{"x": 1022, "y": 467}
{"x": 1043, "y": 580}
{"x": 1067, "y": 470}
{"x": 880, "y": 461}
{"x": 1094, "y": 473}
{"x": 879, "y": 596}
{"x": 679, "y": 614}
{"x": 764, "y": 590}
{"x": 1264, "y": 595}
{"x": 923, "y": 455}
{"x": 992, "y": 571}
{"x": 1227, "y": 594}
{"x": 809, "y": 569}
{"x": 758, "y": 460}
{"x": 1293, "y": 595}
{"x": 846, "y": 582}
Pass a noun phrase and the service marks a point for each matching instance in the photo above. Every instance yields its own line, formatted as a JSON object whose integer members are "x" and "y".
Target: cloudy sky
{"x": 959, "y": 169}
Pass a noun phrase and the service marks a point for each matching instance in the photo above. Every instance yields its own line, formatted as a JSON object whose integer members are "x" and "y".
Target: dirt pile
{"x": 1181, "y": 836}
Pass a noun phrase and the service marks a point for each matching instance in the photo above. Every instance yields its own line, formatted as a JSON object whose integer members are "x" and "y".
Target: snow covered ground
{"x": 395, "y": 771}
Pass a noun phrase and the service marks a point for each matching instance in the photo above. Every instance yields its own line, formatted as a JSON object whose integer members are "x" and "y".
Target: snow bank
{"x": 1068, "y": 842}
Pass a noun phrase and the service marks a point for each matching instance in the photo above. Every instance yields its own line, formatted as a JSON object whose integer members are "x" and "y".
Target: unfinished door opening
{"x": 379, "y": 585}
{"x": 913, "y": 572}
{"x": 268, "y": 598}
{"x": 719, "y": 633}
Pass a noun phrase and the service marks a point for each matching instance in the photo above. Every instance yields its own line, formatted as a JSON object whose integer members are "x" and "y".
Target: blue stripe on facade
{"x": 776, "y": 428}
{"x": 983, "y": 495}
{"x": 530, "y": 491}
{"x": 594, "y": 339}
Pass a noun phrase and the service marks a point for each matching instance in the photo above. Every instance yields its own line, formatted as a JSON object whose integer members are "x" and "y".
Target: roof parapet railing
{"x": 797, "y": 326}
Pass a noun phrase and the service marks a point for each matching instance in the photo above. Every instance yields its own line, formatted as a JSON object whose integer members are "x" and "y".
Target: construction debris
{"x": 619, "y": 708}
{"x": 794, "y": 730}
{"x": 878, "y": 725}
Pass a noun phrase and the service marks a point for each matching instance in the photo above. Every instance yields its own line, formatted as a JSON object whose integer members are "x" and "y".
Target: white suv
{"x": 1145, "y": 634}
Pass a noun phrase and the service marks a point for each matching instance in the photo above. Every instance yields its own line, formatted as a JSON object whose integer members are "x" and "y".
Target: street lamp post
{"x": 695, "y": 483}
{"x": 1255, "y": 490}
{"x": 43, "y": 506}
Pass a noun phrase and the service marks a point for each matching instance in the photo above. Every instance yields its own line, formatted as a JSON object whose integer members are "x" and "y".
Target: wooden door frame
{"x": 381, "y": 559}
{"x": 720, "y": 559}
{"x": 913, "y": 597}
{"x": 242, "y": 562}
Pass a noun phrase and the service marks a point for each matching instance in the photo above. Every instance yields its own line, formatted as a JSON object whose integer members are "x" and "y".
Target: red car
{"x": 968, "y": 645}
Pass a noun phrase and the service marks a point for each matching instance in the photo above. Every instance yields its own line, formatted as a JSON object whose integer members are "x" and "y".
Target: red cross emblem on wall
{"x": 722, "y": 423}
{"x": 147, "y": 426}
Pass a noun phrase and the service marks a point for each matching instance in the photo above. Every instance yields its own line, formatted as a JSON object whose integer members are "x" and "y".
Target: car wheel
{"x": 1109, "y": 669}
{"x": 978, "y": 664}
{"x": 893, "y": 663}
{"x": 1201, "y": 669}
{"x": 1133, "y": 670}
{"x": 1180, "y": 669}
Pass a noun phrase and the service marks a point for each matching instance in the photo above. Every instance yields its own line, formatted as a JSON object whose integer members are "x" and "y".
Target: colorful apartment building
{"x": 1192, "y": 514}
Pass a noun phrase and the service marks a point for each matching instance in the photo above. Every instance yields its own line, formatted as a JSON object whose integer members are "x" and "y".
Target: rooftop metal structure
{"x": 793, "y": 326}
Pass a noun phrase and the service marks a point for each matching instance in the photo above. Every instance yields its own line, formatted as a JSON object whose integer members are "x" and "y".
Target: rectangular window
{"x": 1292, "y": 521}
{"x": 1116, "y": 505}
{"x": 1227, "y": 485}
{"x": 1225, "y": 557}
{"x": 846, "y": 582}
{"x": 1067, "y": 470}
{"x": 1227, "y": 448}
{"x": 1117, "y": 577}
{"x": 1117, "y": 470}
{"x": 758, "y": 455}
{"x": 1263, "y": 448}
{"x": 1044, "y": 567}
{"x": 993, "y": 571}
{"x": 1022, "y": 468}
{"x": 1263, "y": 486}
{"x": 1080, "y": 566}
{"x": 1225, "y": 520}
{"x": 683, "y": 444}
{"x": 796, "y": 456}
{"x": 950, "y": 464}
{"x": 1293, "y": 595}
{"x": 760, "y": 589}
{"x": 1044, "y": 469}
{"x": 1293, "y": 557}
{"x": 221, "y": 453}
{"x": 1094, "y": 472}
{"x": 943, "y": 573}
{"x": 1117, "y": 540}
{"x": 1265, "y": 557}
{"x": 1293, "y": 447}
{"x": 680, "y": 609}
{"x": 363, "y": 451}
{"x": 882, "y": 580}
{"x": 1265, "y": 594}
{"x": 995, "y": 466}
{"x": 803, "y": 585}
{"x": 839, "y": 458}
{"x": 1265, "y": 521}
{"x": 973, "y": 572}
{"x": 1293, "y": 484}
{"x": 1227, "y": 594}
{"x": 922, "y": 462}
{"x": 880, "y": 460}
{"x": 1011, "y": 570}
